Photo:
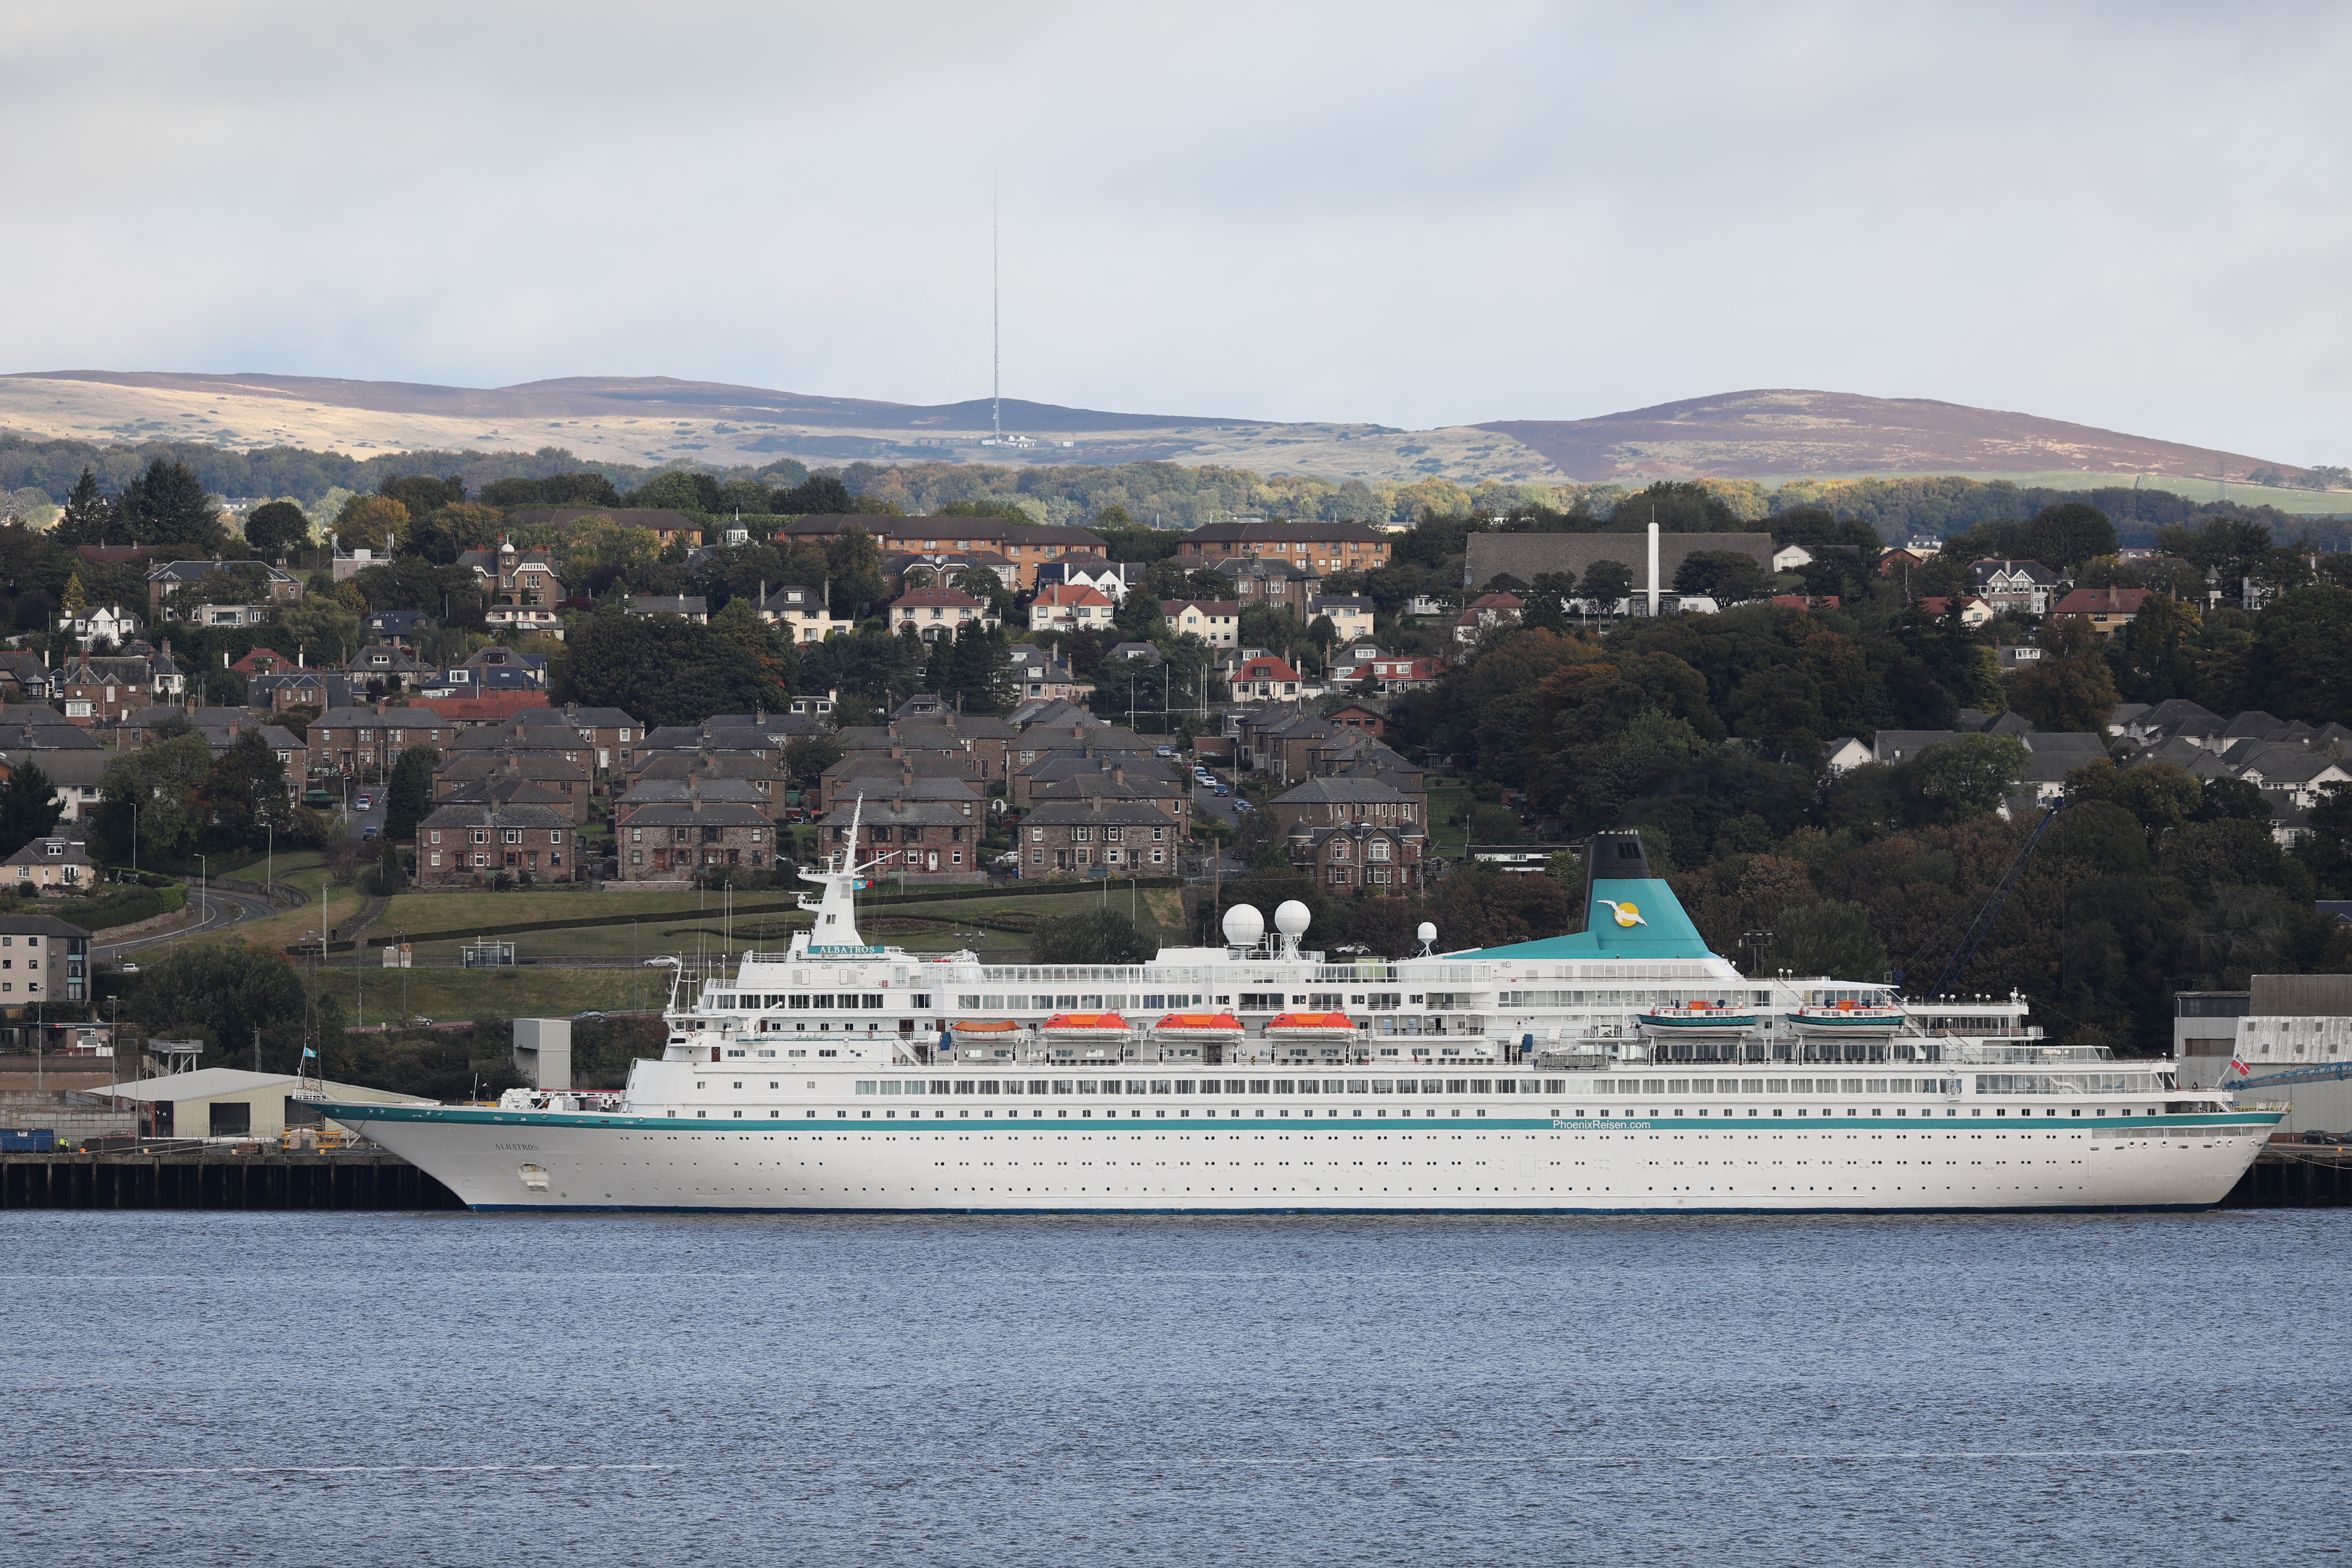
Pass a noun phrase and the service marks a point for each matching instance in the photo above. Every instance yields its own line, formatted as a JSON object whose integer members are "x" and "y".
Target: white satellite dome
{"x": 1243, "y": 925}
{"x": 1428, "y": 933}
{"x": 1292, "y": 918}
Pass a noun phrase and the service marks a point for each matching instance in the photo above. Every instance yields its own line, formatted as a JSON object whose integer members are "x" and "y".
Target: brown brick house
{"x": 1098, "y": 837}
{"x": 1330, "y": 802}
{"x": 933, "y": 840}
{"x": 459, "y": 846}
{"x": 546, "y": 769}
{"x": 1328, "y": 546}
{"x": 670, "y": 840}
{"x": 1357, "y": 855}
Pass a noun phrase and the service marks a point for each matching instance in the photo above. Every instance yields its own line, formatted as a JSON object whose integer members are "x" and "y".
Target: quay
{"x": 218, "y": 1180}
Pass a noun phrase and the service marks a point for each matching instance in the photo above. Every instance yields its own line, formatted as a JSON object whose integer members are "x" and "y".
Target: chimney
{"x": 906, "y": 774}
{"x": 571, "y": 712}
{"x": 379, "y": 704}
{"x": 1119, "y": 776}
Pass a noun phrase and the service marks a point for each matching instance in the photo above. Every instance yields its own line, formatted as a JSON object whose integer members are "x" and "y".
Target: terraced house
{"x": 1328, "y": 546}
{"x": 459, "y": 846}
{"x": 930, "y": 840}
{"x": 669, "y": 841}
{"x": 1098, "y": 837}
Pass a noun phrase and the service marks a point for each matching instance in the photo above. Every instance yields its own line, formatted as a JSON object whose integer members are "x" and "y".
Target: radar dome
{"x": 1292, "y": 918}
{"x": 1243, "y": 925}
{"x": 1427, "y": 932}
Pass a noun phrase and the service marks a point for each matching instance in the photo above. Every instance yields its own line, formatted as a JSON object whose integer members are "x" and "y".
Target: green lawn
{"x": 1445, "y": 837}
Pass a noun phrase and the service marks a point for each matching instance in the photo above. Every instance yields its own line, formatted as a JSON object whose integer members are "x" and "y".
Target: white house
{"x": 1789, "y": 557}
{"x": 1060, "y": 607}
{"x": 1217, "y": 622}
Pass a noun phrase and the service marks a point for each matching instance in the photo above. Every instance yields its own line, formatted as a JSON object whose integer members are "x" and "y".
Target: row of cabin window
{"x": 1630, "y": 1086}
{"x": 1083, "y": 835}
{"x": 482, "y": 834}
{"x": 1215, "y": 1086}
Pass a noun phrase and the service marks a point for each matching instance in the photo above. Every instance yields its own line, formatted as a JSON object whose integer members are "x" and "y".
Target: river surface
{"x": 461, "y": 1389}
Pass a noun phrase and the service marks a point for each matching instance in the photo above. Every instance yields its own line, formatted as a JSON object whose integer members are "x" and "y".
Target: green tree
{"x": 806, "y": 757}
{"x": 1828, "y": 937}
{"x": 276, "y": 527}
{"x": 408, "y": 794}
{"x": 168, "y": 505}
{"x": 2300, "y": 666}
{"x": 1969, "y": 776}
{"x": 1607, "y": 581}
{"x": 230, "y": 991}
{"x": 854, "y": 563}
{"x": 776, "y": 659}
{"x": 663, "y": 670}
{"x": 28, "y": 809}
{"x": 1096, "y": 936}
{"x": 2070, "y": 687}
{"x": 1726, "y": 576}
{"x": 161, "y": 781}
{"x": 87, "y": 511}
{"x": 245, "y": 794}
{"x": 2162, "y": 795}
{"x": 1481, "y": 907}
{"x": 372, "y": 522}
{"x": 2154, "y": 657}
{"x": 318, "y": 629}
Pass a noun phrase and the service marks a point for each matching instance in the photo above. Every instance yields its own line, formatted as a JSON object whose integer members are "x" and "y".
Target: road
{"x": 357, "y": 821}
{"x": 221, "y": 910}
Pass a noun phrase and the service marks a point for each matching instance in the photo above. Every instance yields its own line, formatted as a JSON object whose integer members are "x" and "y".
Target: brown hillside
{"x": 637, "y": 396}
{"x": 1781, "y": 431}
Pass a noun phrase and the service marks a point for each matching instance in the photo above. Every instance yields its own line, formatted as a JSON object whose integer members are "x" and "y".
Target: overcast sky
{"x": 2133, "y": 215}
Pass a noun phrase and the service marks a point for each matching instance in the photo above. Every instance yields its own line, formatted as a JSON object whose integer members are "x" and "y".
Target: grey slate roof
{"x": 683, "y": 813}
{"x": 1340, "y": 791}
{"x": 1093, "y": 810}
{"x": 901, "y": 813}
{"x": 663, "y": 792}
{"x": 472, "y": 814}
{"x": 1902, "y": 745}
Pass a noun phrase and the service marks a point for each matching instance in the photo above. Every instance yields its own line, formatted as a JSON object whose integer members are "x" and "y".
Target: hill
{"x": 654, "y": 421}
{"x": 1782, "y": 432}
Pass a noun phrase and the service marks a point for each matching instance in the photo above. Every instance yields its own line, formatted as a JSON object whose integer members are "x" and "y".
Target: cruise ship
{"x": 1621, "y": 1069}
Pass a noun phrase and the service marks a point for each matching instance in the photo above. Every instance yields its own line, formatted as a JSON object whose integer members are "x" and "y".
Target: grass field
{"x": 1445, "y": 801}
{"x": 373, "y": 994}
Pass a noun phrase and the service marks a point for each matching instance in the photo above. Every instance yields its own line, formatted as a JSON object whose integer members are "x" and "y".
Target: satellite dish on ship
{"x": 1244, "y": 926}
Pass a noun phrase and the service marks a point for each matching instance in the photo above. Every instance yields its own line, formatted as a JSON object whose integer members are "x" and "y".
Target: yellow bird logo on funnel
{"x": 1626, "y": 913}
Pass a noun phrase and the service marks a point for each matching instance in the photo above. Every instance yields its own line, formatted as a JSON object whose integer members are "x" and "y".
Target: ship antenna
{"x": 995, "y": 325}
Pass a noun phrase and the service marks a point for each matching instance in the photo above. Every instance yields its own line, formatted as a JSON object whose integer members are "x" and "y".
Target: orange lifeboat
{"x": 1311, "y": 1026}
{"x": 1085, "y": 1026}
{"x": 1198, "y": 1026}
{"x": 985, "y": 1026}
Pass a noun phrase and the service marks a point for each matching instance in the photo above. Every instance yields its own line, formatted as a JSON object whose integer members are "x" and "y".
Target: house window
{"x": 480, "y": 859}
{"x": 436, "y": 857}
{"x": 481, "y": 836}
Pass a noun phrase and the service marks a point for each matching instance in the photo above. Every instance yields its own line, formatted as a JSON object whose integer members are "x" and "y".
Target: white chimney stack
{"x": 1654, "y": 570}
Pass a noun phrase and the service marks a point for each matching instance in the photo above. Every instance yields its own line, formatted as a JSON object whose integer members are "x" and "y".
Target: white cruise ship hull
{"x": 1256, "y": 1161}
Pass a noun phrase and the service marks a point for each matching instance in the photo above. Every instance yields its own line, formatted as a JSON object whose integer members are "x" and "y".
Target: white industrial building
{"x": 2285, "y": 1023}
{"x": 229, "y": 1103}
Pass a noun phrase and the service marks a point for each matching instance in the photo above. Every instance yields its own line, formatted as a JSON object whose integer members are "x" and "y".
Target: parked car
{"x": 126, "y": 967}
{"x": 1163, "y": 751}
{"x": 370, "y": 831}
{"x": 365, "y": 803}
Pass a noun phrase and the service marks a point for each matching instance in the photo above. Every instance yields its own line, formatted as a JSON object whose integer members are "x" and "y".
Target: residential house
{"x": 672, "y": 840}
{"x": 1059, "y": 607}
{"x": 2108, "y": 610}
{"x": 1487, "y": 612}
{"x": 51, "y": 865}
{"x": 1351, "y": 614}
{"x": 1039, "y": 675}
{"x": 1379, "y": 858}
{"x": 2016, "y": 587}
{"x": 1895, "y": 563}
{"x": 520, "y": 587}
{"x": 299, "y": 687}
{"x": 1277, "y": 583}
{"x": 1330, "y": 802}
{"x": 93, "y": 691}
{"x": 1351, "y": 667}
{"x": 1326, "y": 547}
{"x": 1097, "y": 836}
{"x": 957, "y": 776}
{"x": 1109, "y": 780}
{"x": 279, "y": 586}
{"x": 930, "y": 840}
{"x": 1974, "y": 611}
{"x": 381, "y": 669}
{"x": 397, "y": 629}
{"x": 694, "y": 786}
{"x": 1216, "y": 622}
{"x": 1024, "y": 546}
{"x": 1133, "y": 653}
{"x": 1115, "y": 769}
{"x": 566, "y": 780}
{"x": 693, "y": 606}
{"x": 2016, "y": 656}
{"x": 801, "y": 614}
{"x": 1790, "y": 557}
{"x": 765, "y": 778}
{"x": 466, "y": 844}
{"x": 1113, "y": 579}
{"x": 366, "y": 741}
{"x": 103, "y": 623}
{"x": 1844, "y": 753}
{"x": 1256, "y": 677}
{"x": 604, "y": 739}
{"x": 932, "y": 614}
{"x": 74, "y": 778}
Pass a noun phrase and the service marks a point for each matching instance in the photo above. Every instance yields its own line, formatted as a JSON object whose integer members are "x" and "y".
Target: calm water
{"x": 456, "y": 1389}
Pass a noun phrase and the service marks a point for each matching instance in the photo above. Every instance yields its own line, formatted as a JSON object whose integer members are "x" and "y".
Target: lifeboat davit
{"x": 1311, "y": 1026}
{"x": 1085, "y": 1026}
{"x": 1198, "y": 1026}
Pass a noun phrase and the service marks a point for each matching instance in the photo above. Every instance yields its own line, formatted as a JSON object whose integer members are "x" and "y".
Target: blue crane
{"x": 2320, "y": 1072}
{"x": 1967, "y": 952}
